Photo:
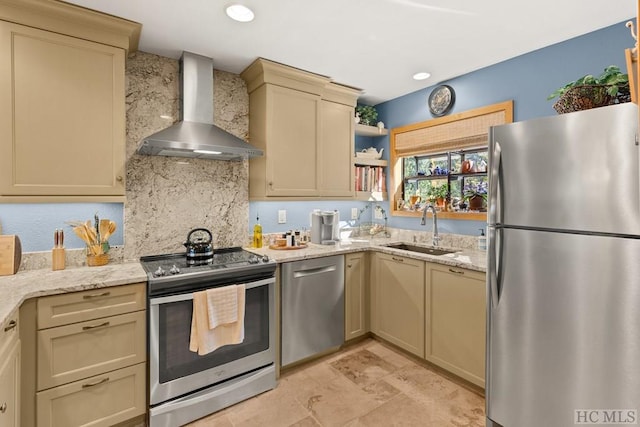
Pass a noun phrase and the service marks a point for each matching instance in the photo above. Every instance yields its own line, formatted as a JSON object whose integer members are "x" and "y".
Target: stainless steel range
{"x": 184, "y": 386}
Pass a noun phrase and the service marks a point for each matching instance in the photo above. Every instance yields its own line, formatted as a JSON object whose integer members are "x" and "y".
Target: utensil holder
{"x": 97, "y": 260}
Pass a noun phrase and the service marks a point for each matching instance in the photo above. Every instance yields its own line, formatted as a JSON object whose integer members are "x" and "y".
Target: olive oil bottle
{"x": 257, "y": 234}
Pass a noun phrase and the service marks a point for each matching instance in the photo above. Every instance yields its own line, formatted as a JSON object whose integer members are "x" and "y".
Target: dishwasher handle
{"x": 314, "y": 271}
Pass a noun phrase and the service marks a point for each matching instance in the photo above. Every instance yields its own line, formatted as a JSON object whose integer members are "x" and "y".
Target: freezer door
{"x": 576, "y": 171}
{"x": 564, "y": 332}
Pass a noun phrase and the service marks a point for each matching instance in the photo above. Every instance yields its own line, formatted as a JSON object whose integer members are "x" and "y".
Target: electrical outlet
{"x": 354, "y": 213}
{"x": 282, "y": 216}
{"x": 377, "y": 213}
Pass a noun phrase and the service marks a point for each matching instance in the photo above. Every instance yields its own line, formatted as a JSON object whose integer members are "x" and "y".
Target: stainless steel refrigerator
{"x": 563, "y": 276}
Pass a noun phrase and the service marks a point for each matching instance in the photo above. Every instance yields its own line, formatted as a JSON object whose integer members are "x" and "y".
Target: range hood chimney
{"x": 196, "y": 136}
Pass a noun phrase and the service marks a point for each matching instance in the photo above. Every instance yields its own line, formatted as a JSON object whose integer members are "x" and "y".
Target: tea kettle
{"x": 373, "y": 152}
{"x": 199, "y": 246}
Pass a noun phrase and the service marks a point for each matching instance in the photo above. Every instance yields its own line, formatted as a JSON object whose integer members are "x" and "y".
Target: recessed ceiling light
{"x": 421, "y": 76}
{"x": 240, "y": 13}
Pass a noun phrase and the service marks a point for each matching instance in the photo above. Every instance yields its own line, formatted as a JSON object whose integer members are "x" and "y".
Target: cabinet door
{"x": 101, "y": 401}
{"x": 336, "y": 150}
{"x": 456, "y": 317}
{"x": 62, "y": 118}
{"x": 398, "y": 301}
{"x": 356, "y": 296}
{"x": 10, "y": 385}
{"x": 292, "y": 142}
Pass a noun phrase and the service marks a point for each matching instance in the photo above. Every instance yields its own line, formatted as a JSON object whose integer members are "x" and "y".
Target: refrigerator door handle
{"x": 495, "y": 210}
{"x": 494, "y": 261}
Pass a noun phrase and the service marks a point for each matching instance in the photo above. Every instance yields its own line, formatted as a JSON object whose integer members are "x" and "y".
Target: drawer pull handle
{"x": 12, "y": 325}
{"x": 102, "y": 381}
{"x": 397, "y": 259}
{"x": 456, "y": 271}
{"x": 101, "y": 325}
{"x": 90, "y": 296}
{"x": 3, "y": 408}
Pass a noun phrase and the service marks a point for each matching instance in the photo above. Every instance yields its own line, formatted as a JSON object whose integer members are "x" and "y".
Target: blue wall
{"x": 527, "y": 79}
{"x": 35, "y": 223}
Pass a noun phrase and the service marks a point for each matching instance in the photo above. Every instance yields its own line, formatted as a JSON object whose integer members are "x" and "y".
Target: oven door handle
{"x": 189, "y": 296}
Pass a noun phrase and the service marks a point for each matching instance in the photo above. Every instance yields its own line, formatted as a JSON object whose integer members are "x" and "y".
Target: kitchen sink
{"x": 421, "y": 249}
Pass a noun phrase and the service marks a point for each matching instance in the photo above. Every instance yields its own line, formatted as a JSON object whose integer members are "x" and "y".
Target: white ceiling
{"x": 375, "y": 45}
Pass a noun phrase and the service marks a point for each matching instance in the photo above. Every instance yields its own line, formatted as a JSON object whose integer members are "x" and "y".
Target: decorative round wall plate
{"x": 441, "y": 100}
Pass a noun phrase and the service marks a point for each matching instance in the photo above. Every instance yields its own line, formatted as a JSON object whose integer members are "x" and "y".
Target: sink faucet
{"x": 436, "y": 237}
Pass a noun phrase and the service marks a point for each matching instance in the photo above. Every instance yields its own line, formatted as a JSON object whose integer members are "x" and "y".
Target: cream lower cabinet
{"x": 62, "y": 117}
{"x": 455, "y": 321}
{"x": 91, "y": 357}
{"x": 356, "y": 295}
{"x": 10, "y": 373}
{"x": 397, "y": 301}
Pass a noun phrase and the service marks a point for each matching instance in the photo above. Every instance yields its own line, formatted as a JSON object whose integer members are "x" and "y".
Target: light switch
{"x": 354, "y": 213}
{"x": 282, "y": 216}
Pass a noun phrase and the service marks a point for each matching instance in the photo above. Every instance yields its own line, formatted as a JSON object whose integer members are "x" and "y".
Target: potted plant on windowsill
{"x": 610, "y": 87}
{"x": 439, "y": 195}
{"x": 476, "y": 195}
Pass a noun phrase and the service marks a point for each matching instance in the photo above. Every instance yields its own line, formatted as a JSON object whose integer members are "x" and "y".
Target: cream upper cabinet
{"x": 356, "y": 295}
{"x": 304, "y": 124}
{"x": 397, "y": 301}
{"x": 62, "y": 106}
{"x": 455, "y": 321}
{"x": 62, "y": 115}
{"x": 336, "y": 150}
{"x": 10, "y": 373}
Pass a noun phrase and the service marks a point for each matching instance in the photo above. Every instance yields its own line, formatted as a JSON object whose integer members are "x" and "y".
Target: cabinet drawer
{"x": 70, "y": 353}
{"x": 74, "y": 307}
{"x": 9, "y": 331}
{"x": 99, "y": 401}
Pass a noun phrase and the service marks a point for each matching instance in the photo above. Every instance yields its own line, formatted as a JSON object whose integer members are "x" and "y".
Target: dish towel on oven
{"x": 217, "y": 319}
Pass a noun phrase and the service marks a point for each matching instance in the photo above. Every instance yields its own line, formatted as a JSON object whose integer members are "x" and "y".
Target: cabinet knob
{"x": 348, "y": 265}
{"x": 456, "y": 271}
{"x": 119, "y": 178}
{"x": 3, "y": 408}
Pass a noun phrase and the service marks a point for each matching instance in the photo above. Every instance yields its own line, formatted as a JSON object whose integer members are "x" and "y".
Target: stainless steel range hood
{"x": 196, "y": 136}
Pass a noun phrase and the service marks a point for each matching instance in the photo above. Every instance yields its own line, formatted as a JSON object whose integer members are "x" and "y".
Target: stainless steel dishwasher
{"x": 312, "y": 307}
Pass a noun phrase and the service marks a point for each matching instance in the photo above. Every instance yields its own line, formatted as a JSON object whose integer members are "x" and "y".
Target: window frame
{"x": 396, "y": 166}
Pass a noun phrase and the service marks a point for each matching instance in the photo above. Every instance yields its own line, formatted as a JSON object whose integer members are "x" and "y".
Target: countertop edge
{"x": 18, "y": 288}
{"x": 25, "y": 285}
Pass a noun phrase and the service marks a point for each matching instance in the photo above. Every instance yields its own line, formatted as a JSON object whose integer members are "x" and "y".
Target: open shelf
{"x": 371, "y": 196}
{"x": 363, "y": 161}
{"x": 364, "y": 130}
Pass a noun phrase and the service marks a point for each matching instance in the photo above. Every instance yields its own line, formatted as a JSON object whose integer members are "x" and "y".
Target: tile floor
{"x": 367, "y": 384}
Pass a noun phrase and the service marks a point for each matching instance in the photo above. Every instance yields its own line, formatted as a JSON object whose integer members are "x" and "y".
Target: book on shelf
{"x": 370, "y": 178}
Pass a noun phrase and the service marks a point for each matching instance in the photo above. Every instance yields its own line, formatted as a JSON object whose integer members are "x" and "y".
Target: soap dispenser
{"x": 257, "y": 233}
{"x": 482, "y": 240}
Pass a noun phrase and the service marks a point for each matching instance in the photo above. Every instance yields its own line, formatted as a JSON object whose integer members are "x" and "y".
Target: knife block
{"x": 57, "y": 259}
{"x": 10, "y": 255}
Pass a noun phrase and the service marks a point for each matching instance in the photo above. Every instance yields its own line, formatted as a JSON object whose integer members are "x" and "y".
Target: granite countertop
{"x": 16, "y": 289}
{"x": 464, "y": 258}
